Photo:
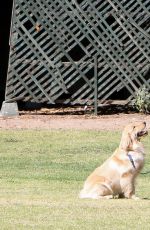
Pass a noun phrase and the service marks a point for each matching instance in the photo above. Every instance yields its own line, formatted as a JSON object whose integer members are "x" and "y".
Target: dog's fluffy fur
{"x": 116, "y": 176}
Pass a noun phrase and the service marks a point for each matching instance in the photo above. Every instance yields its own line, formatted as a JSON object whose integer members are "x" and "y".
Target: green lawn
{"x": 42, "y": 172}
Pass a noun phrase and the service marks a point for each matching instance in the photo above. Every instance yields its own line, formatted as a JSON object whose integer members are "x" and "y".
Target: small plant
{"x": 142, "y": 100}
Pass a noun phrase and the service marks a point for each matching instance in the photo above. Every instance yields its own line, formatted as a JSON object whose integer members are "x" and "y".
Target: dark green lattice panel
{"x": 53, "y": 45}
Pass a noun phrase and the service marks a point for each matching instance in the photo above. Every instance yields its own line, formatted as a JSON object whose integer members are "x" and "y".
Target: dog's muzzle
{"x": 142, "y": 133}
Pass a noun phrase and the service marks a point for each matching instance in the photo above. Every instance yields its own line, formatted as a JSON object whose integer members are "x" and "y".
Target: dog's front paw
{"x": 135, "y": 197}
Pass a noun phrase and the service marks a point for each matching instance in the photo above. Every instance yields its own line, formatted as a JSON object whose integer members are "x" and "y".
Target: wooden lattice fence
{"x": 72, "y": 51}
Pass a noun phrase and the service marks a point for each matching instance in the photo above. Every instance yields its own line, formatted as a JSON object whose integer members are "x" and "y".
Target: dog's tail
{"x": 83, "y": 194}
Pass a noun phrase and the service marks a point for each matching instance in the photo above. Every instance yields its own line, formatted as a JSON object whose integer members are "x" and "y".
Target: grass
{"x": 42, "y": 172}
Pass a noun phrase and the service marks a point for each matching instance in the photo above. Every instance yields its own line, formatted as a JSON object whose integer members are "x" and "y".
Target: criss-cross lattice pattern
{"x": 53, "y": 45}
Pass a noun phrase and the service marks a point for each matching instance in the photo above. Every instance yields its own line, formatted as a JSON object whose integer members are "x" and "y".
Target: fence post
{"x": 95, "y": 86}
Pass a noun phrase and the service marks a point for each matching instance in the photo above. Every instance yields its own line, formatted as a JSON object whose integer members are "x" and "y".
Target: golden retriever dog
{"x": 116, "y": 176}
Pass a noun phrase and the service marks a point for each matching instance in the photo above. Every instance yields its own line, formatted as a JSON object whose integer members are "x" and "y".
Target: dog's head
{"x": 132, "y": 134}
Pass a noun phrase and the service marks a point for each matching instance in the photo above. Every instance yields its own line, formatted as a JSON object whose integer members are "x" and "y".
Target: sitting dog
{"x": 116, "y": 176}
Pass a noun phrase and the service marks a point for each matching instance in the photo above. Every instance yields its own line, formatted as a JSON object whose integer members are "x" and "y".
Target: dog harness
{"x": 131, "y": 160}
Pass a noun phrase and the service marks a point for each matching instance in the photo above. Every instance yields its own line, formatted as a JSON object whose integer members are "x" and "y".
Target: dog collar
{"x": 131, "y": 160}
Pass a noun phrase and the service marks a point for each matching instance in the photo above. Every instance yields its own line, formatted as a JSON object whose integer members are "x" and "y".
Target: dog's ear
{"x": 126, "y": 141}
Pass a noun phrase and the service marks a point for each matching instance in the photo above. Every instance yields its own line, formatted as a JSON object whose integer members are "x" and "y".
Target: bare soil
{"x": 72, "y": 118}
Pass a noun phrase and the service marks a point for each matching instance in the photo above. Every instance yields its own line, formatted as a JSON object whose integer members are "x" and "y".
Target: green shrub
{"x": 142, "y": 100}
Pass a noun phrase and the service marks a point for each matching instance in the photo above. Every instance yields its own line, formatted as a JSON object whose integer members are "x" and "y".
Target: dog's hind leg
{"x": 101, "y": 191}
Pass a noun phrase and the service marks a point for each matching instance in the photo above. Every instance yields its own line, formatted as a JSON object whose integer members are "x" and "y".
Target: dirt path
{"x": 103, "y": 122}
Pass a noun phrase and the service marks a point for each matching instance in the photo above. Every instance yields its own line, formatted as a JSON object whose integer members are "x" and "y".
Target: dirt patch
{"x": 64, "y": 118}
